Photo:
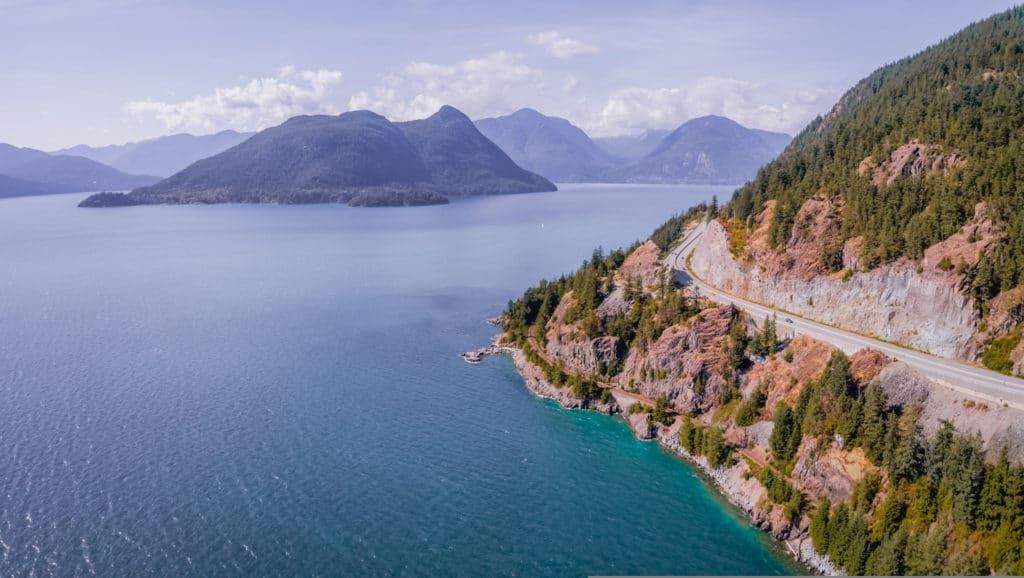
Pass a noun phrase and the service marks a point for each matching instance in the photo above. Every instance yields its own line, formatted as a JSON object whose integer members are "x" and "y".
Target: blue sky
{"x": 110, "y": 71}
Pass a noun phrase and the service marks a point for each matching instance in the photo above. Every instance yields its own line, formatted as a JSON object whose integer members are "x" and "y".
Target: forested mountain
{"x": 911, "y": 149}
{"x": 359, "y": 158}
{"x": 709, "y": 149}
{"x": 547, "y": 145}
{"x": 162, "y": 156}
{"x": 463, "y": 162}
{"x": 913, "y": 182}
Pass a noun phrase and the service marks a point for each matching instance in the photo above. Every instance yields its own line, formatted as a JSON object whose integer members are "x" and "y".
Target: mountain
{"x": 777, "y": 140}
{"x": 464, "y": 162}
{"x": 359, "y": 158}
{"x": 34, "y": 172}
{"x": 631, "y": 148}
{"x": 161, "y": 156}
{"x": 709, "y": 149}
{"x": 76, "y": 174}
{"x": 898, "y": 216}
{"x": 12, "y": 156}
{"x": 547, "y": 145}
{"x": 12, "y": 187}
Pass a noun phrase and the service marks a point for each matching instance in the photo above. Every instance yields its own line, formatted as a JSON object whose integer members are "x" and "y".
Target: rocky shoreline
{"x": 729, "y": 481}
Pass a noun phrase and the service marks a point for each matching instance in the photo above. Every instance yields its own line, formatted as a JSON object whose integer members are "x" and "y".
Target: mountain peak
{"x": 358, "y": 157}
{"x": 449, "y": 113}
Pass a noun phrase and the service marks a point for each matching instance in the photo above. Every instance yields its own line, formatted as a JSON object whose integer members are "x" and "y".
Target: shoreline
{"x": 728, "y": 482}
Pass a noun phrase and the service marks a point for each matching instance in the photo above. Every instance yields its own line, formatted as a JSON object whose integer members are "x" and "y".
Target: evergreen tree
{"x": 715, "y": 448}
{"x": 888, "y": 558}
{"x": 819, "y": 525}
{"x": 888, "y": 517}
{"x": 784, "y": 430}
{"x": 838, "y": 534}
{"x": 872, "y": 430}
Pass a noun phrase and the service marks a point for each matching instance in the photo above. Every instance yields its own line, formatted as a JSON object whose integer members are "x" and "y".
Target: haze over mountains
{"x": 706, "y": 150}
{"x": 28, "y": 171}
{"x": 709, "y": 150}
{"x": 359, "y": 158}
{"x": 547, "y": 145}
{"x": 482, "y": 160}
{"x": 162, "y": 156}
{"x": 633, "y": 147}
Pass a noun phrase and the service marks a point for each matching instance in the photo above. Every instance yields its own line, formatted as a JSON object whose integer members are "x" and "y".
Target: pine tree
{"x": 838, "y": 534}
{"x": 965, "y": 474}
{"x": 819, "y": 525}
{"x": 857, "y": 546}
{"x": 907, "y": 460}
{"x": 888, "y": 558}
{"x": 888, "y": 516}
{"x": 782, "y": 433}
{"x": 872, "y": 430}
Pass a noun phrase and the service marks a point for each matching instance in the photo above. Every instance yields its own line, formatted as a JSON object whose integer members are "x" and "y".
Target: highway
{"x": 970, "y": 380}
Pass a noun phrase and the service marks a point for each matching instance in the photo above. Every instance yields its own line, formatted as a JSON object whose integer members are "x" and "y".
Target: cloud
{"x": 559, "y": 45}
{"x": 752, "y": 104}
{"x": 260, "y": 103}
{"x": 492, "y": 84}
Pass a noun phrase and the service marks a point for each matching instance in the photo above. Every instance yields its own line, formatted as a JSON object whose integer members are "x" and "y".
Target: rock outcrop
{"x": 927, "y": 309}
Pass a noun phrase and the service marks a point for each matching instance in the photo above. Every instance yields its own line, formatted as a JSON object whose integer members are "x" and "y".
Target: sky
{"x": 112, "y": 71}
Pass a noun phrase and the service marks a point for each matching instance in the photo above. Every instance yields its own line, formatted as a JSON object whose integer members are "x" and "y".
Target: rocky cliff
{"x": 694, "y": 380}
{"x": 921, "y": 305}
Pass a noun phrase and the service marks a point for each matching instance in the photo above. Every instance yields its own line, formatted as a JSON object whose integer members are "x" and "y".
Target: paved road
{"x": 968, "y": 379}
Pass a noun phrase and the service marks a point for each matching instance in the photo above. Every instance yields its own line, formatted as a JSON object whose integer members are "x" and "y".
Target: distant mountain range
{"x": 631, "y": 148}
{"x": 359, "y": 158}
{"x": 26, "y": 171}
{"x": 547, "y": 145}
{"x": 161, "y": 156}
{"x": 709, "y": 150}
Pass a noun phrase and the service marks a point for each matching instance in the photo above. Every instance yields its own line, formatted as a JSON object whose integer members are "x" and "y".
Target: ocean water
{"x": 225, "y": 390}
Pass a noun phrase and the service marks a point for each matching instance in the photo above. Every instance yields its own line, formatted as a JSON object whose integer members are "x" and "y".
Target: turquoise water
{"x": 219, "y": 390}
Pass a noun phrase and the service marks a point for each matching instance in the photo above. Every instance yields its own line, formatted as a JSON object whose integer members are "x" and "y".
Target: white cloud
{"x": 751, "y": 104}
{"x": 559, "y": 45}
{"x": 260, "y": 103}
{"x": 488, "y": 85}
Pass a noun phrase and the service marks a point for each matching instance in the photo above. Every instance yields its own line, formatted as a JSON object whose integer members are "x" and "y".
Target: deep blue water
{"x": 276, "y": 390}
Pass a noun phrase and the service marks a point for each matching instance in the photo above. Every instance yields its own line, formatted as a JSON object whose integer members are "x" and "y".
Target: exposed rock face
{"x": 539, "y": 385}
{"x": 910, "y": 160}
{"x": 999, "y": 426}
{"x": 830, "y": 471}
{"x": 641, "y": 264}
{"x": 928, "y": 310}
{"x": 585, "y": 356}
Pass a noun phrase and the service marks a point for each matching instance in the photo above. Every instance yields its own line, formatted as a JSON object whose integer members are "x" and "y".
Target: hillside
{"x": 12, "y": 187}
{"x": 162, "y": 156}
{"x": 912, "y": 181}
{"x": 547, "y": 145}
{"x": 34, "y": 172}
{"x": 463, "y": 162}
{"x": 898, "y": 215}
{"x": 857, "y": 462}
{"x": 709, "y": 149}
{"x": 12, "y": 156}
{"x": 359, "y": 158}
